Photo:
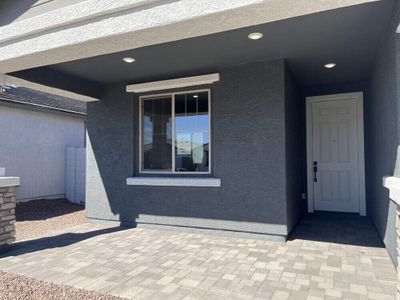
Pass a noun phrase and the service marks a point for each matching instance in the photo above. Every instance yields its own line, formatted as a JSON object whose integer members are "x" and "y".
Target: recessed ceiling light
{"x": 255, "y": 35}
{"x": 196, "y": 96}
{"x": 330, "y": 65}
{"x": 129, "y": 60}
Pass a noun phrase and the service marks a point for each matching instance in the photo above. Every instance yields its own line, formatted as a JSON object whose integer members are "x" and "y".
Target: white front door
{"x": 335, "y": 155}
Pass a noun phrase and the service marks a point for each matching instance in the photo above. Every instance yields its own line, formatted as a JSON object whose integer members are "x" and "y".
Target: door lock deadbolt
{"x": 315, "y": 168}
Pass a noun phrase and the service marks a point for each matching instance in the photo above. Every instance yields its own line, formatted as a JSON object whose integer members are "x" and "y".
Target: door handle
{"x": 315, "y": 168}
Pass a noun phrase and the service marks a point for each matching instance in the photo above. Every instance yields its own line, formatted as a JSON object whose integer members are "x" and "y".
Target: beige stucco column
{"x": 398, "y": 250}
{"x": 393, "y": 184}
{"x": 8, "y": 188}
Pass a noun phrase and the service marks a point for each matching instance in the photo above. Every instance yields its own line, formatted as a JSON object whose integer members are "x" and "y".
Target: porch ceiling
{"x": 348, "y": 36}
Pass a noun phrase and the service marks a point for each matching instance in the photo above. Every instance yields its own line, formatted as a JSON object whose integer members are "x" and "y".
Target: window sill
{"x": 168, "y": 181}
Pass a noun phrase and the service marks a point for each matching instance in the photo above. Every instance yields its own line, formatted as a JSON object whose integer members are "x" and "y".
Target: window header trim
{"x": 172, "y": 83}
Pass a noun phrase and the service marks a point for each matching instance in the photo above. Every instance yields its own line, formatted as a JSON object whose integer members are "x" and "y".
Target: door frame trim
{"x": 358, "y": 96}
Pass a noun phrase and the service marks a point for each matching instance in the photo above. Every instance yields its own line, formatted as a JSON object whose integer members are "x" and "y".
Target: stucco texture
{"x": 248, "y": 154}
{"x": 295, "y": 150}
{"x": 33, "y": 147}
{"x": 382, "y": 134}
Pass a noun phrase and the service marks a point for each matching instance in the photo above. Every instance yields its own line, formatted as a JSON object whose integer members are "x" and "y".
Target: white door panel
{"x": 335, "y": 150}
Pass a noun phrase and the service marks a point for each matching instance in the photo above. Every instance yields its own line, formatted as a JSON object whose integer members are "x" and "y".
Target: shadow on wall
{"x": 11, "y": 9}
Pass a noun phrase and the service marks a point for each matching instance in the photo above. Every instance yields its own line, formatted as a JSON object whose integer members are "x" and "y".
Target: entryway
{"x": 335, "y": 153}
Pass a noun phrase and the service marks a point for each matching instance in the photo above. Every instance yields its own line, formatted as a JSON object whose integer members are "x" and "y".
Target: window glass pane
{"x": 191, "y": 132}
{"x": 157, "y": 134}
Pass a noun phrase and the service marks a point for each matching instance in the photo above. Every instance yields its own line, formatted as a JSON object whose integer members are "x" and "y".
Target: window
{"x": 175, "y": 133}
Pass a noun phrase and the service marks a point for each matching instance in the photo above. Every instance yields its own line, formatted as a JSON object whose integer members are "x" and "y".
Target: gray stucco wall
{"x": 248, "y": 153}
{"x": 295, "y": 150}
{"x": 382, "y": 135}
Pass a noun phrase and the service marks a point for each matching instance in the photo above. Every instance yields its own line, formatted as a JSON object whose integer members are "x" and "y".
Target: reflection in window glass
{"x": 191, "y": 132}
{"x": 157, "y": 134}
{"x": 184, "y": 149}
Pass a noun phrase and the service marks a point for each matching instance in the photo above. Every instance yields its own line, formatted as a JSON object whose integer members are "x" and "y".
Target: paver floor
{"x": 327, "y": 257}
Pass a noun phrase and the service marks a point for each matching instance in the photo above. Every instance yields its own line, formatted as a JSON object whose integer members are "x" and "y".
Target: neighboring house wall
{"x": 295, "y": 150}
{"x": 248, "y": 154}
{"x": 382, "y": 135}
{"x": 33, "y": 147}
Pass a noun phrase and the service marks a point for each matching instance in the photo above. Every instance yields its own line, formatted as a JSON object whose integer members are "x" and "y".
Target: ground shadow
{"x": 45, "y": 209}
{"x": 58, "y": 241}
{"x": 341, "y": 228}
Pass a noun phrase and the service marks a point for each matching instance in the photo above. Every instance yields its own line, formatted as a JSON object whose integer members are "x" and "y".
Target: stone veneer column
{"x": 7, "y": 216}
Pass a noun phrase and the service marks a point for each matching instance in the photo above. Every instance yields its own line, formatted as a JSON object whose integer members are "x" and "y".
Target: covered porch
{"x": 255, "y": 176}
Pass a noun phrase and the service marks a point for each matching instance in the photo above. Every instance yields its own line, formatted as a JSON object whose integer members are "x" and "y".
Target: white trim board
{"x": 178, "y": 181}
{"x": 172, "y": 83}
{"x": 9, "y": 181}
{"x": 7, "y": 80}
{"x": 358, "y": 96}
{"x": 393, "y": 184}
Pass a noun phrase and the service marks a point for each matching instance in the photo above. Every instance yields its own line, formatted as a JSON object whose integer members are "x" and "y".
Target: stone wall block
{"x": 7, "y": 216}
{"x": 11, "y": 240}
{"x": 9, "y": 195}
{"x": 4, "y": 190}
{"x": 9, "y": 205}
{"x": 5, "y": 236}
{"x": 9, "y": 228}
{"x": 12, "y": 189}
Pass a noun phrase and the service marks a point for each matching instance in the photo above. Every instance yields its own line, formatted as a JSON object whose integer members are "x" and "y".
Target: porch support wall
{"x": 248, "y": 154}
{"x": 382, "y": 134}
{"x": 295, "y": 150}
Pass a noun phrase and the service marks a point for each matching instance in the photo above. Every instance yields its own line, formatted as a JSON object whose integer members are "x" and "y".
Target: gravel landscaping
{"x": 35, "y": 219}
{"x": 39, "y": 218}
{"x": 19, "y": 287}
